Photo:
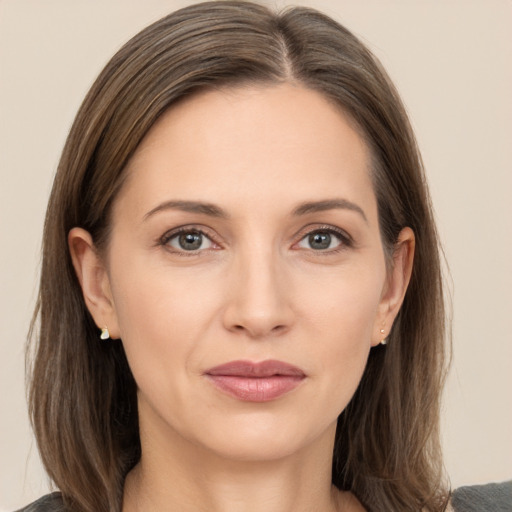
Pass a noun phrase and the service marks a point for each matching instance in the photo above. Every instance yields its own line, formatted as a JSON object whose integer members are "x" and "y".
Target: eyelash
{"x": 167, "y": 237}
{"x": 345, "y": 239}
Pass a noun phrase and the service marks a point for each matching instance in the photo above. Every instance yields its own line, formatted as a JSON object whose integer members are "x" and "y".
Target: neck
{"x": 174, "y": 474}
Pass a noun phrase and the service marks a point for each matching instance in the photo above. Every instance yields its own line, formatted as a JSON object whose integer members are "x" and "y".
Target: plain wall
{"x": 452, "y": 62}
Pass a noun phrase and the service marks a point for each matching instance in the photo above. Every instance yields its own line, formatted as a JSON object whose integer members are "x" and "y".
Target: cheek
{"x": 345, "y": 302}
{"x": 161, "y": 318}
{"x": 341, "y": 320}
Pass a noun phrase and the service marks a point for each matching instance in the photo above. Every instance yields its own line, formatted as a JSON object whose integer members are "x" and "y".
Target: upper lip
{"x": 261, "y": 369}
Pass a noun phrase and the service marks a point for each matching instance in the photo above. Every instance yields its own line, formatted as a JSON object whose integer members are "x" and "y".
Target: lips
{"x": 255, "y": 382}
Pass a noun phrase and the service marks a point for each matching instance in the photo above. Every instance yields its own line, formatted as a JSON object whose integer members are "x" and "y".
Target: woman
{"x": 241, "y": 304}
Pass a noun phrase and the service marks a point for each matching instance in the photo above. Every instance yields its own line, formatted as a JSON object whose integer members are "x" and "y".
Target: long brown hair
{"x": 82, "y": 396}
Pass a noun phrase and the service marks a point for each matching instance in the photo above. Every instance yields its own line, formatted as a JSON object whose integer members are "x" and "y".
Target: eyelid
{"x": 346, "y": 241}
{"x": 187, "y": 228}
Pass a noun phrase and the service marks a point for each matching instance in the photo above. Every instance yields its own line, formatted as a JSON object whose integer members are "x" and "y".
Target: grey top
{"x": 49, "y": 503}
{"x": 483, "y": 498}
{"x": 475, "y": 498}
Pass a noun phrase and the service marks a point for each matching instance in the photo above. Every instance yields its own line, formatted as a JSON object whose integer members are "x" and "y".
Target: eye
{"x": 324, "y": 240}
{"x": 188, "y": 240}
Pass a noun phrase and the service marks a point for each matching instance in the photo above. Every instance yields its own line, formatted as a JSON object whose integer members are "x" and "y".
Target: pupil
{"x": 320, "y": 240}
{"x": 190, "y": 241}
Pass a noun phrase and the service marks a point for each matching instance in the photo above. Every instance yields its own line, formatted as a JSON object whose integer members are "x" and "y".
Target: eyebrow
{"x": 328, "y": 204}
{"x": 190, "y": 207}
{"x": 213, "y": 210}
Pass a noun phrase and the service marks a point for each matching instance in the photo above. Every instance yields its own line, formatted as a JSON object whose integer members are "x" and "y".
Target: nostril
{"x": 259, "y": 331}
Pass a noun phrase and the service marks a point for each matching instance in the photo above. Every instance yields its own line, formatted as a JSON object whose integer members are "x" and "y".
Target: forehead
{"x": 247, "y": 143}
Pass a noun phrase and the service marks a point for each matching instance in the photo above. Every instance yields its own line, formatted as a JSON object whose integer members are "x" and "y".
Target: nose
{"x": 259, "y": 302}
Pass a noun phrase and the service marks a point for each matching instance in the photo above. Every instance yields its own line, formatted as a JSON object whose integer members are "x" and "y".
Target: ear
{"x": 94, "y": 280}
{"x": 397, "y": 281}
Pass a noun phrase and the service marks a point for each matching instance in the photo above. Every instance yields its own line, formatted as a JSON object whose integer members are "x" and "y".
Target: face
{"x": 245, "y": 273}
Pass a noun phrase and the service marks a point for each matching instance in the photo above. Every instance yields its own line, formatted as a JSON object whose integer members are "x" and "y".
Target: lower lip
{"x": 256, "y": 389}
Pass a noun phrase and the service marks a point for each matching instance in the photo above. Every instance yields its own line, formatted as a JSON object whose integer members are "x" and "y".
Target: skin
{"x": 256, "y": 289}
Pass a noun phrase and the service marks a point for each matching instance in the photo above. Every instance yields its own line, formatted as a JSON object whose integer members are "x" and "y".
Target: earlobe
{"x": 93, "y": 277}
{"x": 396, "y": 285}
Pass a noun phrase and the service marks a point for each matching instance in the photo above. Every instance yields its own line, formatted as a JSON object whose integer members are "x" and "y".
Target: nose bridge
{"x": 259, "y": 302}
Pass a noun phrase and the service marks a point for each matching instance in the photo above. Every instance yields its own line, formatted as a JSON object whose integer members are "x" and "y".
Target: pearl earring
{"x": 383, "y": 341}
{"x": 105, "y": 335}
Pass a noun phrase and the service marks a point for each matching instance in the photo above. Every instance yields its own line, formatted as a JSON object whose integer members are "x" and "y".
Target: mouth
{"x": 255, "y": 382}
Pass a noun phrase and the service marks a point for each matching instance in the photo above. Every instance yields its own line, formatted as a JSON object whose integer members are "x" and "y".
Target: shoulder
{"x": 483, "y": 498}
{"x": 49, "y": 503}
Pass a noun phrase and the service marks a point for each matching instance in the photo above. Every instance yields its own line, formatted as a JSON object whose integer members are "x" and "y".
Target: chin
{"x": 254, "y": 448}
{"x": 264, "y": 437}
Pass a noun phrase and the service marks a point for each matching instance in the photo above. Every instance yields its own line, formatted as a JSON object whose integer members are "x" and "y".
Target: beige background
{"x": 452, "y": 62}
